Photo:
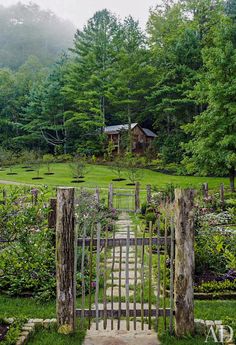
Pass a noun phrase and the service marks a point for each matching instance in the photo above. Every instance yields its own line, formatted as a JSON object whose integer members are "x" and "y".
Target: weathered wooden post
{"x": 205, "y": 190}
{"x": 222, "y": 195}
{"x": 110, "y": 196}
{"x": 97, "y": 195}
{"x": 184, "y": 262}
{"x": 4, "y": 195}
{"x": 52, "y": 214}
{"x": 137, "y": 197}
{"x": 66, "y": 242}
{"x": 149, "y": 194}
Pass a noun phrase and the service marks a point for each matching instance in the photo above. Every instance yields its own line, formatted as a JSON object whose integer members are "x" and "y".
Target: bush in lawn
{"x": 48, "y": 159}
{"x": 28, "y": 158}
{"x": 79, "y": 167}
{"x": 117, "y": 168}
{"x": 133, "y": 173}
{"x": 5, "y": 158}
{"x": 64, "y": 158}
{"x": 37, "y": 166}
{"x": 109, "y": 151}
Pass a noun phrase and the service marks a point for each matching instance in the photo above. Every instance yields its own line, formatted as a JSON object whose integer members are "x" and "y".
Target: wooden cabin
{"x": 142, "y": 137}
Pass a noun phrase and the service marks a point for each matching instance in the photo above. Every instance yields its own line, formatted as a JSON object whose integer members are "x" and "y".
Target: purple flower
{"x": 34, "y": 191}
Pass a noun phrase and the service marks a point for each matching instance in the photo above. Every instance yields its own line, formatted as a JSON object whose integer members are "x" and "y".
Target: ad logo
{"x": 223, "y": 334}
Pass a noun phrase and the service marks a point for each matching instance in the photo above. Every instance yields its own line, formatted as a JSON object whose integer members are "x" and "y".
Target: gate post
{"x": 137, "y": 197}
{"x": 149, "y": 194}
{"x": 110, "y": 196}
{"x": 184, "y": 262}
{"x": 66, "y": 241}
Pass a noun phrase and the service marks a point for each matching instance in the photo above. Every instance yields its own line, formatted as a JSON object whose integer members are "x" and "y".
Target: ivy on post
{"x": 66, "y": 242}
{"x": 184, "y": 262}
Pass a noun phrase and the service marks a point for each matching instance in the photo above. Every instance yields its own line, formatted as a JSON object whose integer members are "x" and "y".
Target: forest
{"x": 177, "y": 78}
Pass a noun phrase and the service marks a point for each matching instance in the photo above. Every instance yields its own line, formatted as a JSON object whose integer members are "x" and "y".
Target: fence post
{"x": 52, "y": 214}
{"x": 4, "y": 195}
{"x": 137, "y": 197}
{"x": 222, "y": 195}
{"x": 66, "y": 241}
{"x": 149, "y": 194}
{"x": 97, "y": 195}
{"x": 205, "y": 190}
{"x": 110, "y": 196}
{"x": 184, "y": 262}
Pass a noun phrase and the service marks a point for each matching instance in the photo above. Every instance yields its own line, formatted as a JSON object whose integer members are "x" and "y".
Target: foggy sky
{"x": 79, "y": 11}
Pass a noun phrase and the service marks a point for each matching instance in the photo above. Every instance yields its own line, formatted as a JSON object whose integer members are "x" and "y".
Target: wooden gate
{"x": 131, "y": 289}
{"x": 108, "y": 256}
{"x": 126, "y": 200}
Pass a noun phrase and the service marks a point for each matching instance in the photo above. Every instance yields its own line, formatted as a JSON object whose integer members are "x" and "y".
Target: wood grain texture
{"x": 66, "y": 261}
{"x": 184, "y": 262}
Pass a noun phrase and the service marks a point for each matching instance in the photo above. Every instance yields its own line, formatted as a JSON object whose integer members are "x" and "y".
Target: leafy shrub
{"x": 64, "y": 158}
{"x": 78, "y": 167}
{"x": 143, "y": 208}
{"x": 217, "y": 286}
{"x": 150, "y": 217}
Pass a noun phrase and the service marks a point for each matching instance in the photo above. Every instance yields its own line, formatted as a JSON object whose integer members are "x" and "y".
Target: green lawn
{"x": 208, "y": 310}
{"x": 100, "y": 175}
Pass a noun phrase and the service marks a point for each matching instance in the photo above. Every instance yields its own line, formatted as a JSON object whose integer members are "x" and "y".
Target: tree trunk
{"x": 232, "y": 178}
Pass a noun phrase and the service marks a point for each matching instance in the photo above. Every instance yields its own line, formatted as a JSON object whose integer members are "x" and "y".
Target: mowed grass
{"x": 102, "y": 176}
{"x": 12, "y": 307}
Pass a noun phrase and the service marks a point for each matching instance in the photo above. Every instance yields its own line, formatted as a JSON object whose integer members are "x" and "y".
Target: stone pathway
{"x": 122, "y": 336}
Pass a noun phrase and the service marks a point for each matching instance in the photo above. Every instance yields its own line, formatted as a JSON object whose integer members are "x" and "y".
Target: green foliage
{"x": 217, "y": 286}
{"x": 133, "y": 171}
{"x": 212, "y": 147}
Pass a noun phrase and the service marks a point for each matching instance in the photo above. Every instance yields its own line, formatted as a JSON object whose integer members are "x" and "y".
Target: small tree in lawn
{"x": 4, "y": 158}
{"x": 110, "y": 149}
{"x": 48, "y": 160}
{"x": 79, "y": 167}
{"x": 11, "y": 161}
{"x": 37, "y": 167}
{"x": 118, "y": 168}
{"x": 133, "y": 173}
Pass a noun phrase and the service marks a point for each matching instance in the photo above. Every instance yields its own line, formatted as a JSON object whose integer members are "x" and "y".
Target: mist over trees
{"x": 177, "y": 78}
{"x": 28, "y": 30}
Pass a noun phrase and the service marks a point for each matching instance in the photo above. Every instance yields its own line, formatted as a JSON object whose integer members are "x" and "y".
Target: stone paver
{"x": 121, "y": 337}
{"x": 116, "y": 292}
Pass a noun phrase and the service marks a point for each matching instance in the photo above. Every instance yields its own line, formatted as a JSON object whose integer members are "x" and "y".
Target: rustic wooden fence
{"x": 182, "y": 274}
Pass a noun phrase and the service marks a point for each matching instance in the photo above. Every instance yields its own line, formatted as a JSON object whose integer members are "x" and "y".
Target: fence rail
{"x": 117, "y": 242}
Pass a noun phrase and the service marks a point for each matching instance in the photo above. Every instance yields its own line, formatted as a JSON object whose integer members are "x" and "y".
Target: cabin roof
{"x": 117, "y": 128}
{"x": 149, "y": 133}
